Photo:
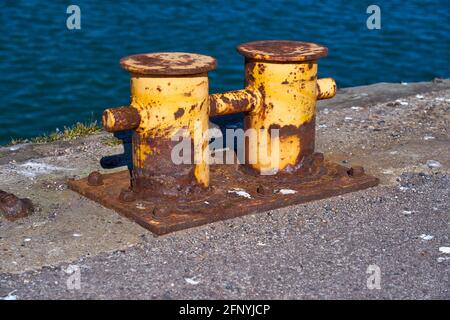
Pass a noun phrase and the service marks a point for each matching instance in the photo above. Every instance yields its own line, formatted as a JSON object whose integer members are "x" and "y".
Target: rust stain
{"x": 121, "y": 118}
{"x": 282, "y": 50}
{"x": 159, "y": 176}
{"x": 168, "y": 63}
{"x": 14, "y": 208}
{"x": 179, "y": 113}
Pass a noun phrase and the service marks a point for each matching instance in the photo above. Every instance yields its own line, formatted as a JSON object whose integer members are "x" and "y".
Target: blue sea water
{"x": 52, "y": 76}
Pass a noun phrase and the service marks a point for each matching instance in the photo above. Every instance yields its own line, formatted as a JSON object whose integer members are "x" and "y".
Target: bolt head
{"x": 356, "y": 171}
{"x": 10, "y": 200}
{"x": 263, "y": 190}
{"x": 127, "y": 195}
{"x": 159, "y": 213}
{"x": 95, "y": 178}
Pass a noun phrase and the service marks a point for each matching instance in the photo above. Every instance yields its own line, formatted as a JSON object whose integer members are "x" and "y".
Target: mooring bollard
{"x": 169, "y": 91}
{"x": 281, "y": 93}
{"x": 169, "y": 95}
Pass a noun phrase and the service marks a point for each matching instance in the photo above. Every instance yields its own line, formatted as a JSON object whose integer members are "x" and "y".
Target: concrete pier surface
{"x": 328, "y": 249}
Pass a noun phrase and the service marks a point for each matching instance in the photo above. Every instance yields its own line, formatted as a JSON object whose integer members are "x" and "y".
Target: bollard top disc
{"x": 282, "y": 50}
{"x": 168, "y": 63}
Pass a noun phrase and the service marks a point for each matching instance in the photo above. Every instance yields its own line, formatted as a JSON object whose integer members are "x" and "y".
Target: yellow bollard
{"x": 169, "y": 93}
{"x": 281, "y": 93}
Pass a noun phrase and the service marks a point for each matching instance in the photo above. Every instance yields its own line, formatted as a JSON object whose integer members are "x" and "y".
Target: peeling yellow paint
{"x": 167, "y": 104}
{"x": 289, "y": 99}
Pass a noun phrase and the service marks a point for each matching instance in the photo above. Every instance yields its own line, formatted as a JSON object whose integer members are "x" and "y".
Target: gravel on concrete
{"x": 320, "y": 250}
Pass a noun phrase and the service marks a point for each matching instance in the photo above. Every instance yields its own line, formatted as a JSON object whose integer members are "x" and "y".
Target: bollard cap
{"x": 282, "y": 51}
{"x": 168, "y": 63}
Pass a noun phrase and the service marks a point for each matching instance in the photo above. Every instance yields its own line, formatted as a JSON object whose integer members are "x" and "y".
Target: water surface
{"x": 52, "y": 76}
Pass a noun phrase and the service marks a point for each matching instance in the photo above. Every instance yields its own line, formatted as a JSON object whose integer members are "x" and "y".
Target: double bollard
{"x": 169, "y": 93}
{"x": 170, "y": 101}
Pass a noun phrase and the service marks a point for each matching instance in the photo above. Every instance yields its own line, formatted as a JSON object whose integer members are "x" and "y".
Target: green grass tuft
{"x": 69, "y": 133}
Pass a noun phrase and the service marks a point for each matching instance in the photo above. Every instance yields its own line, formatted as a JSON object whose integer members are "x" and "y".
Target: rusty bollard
{"x": 281, "y": 92}
{"x": 169, "y": 92}
{"x": 14, "y": 208}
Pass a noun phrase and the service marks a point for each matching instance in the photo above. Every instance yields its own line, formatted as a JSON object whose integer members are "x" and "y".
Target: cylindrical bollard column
{"x": 285, "y": 74}
{"x": 169, "y": 91}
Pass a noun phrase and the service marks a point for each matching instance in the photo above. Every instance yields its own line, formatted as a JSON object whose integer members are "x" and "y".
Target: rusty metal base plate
{"x": 232, "y": 193}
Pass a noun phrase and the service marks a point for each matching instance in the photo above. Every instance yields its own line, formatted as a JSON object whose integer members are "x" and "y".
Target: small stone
{"x": 10, "y": 296}
{"x": 140, "y": 206}
{"x": 15, "y": 147}
{"x": 444, "y": 250}
{"x": 433, "y": 164}
{"x": 287, "y": 191}
{"x": 192, "y": 281}
{"x": 240, "y": 192}
{"x": 402, "y": 103}
{"x": 426, "y": 237}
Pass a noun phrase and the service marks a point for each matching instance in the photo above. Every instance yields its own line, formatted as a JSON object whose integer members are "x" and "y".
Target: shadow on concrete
{"x": 120, "y": 160}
